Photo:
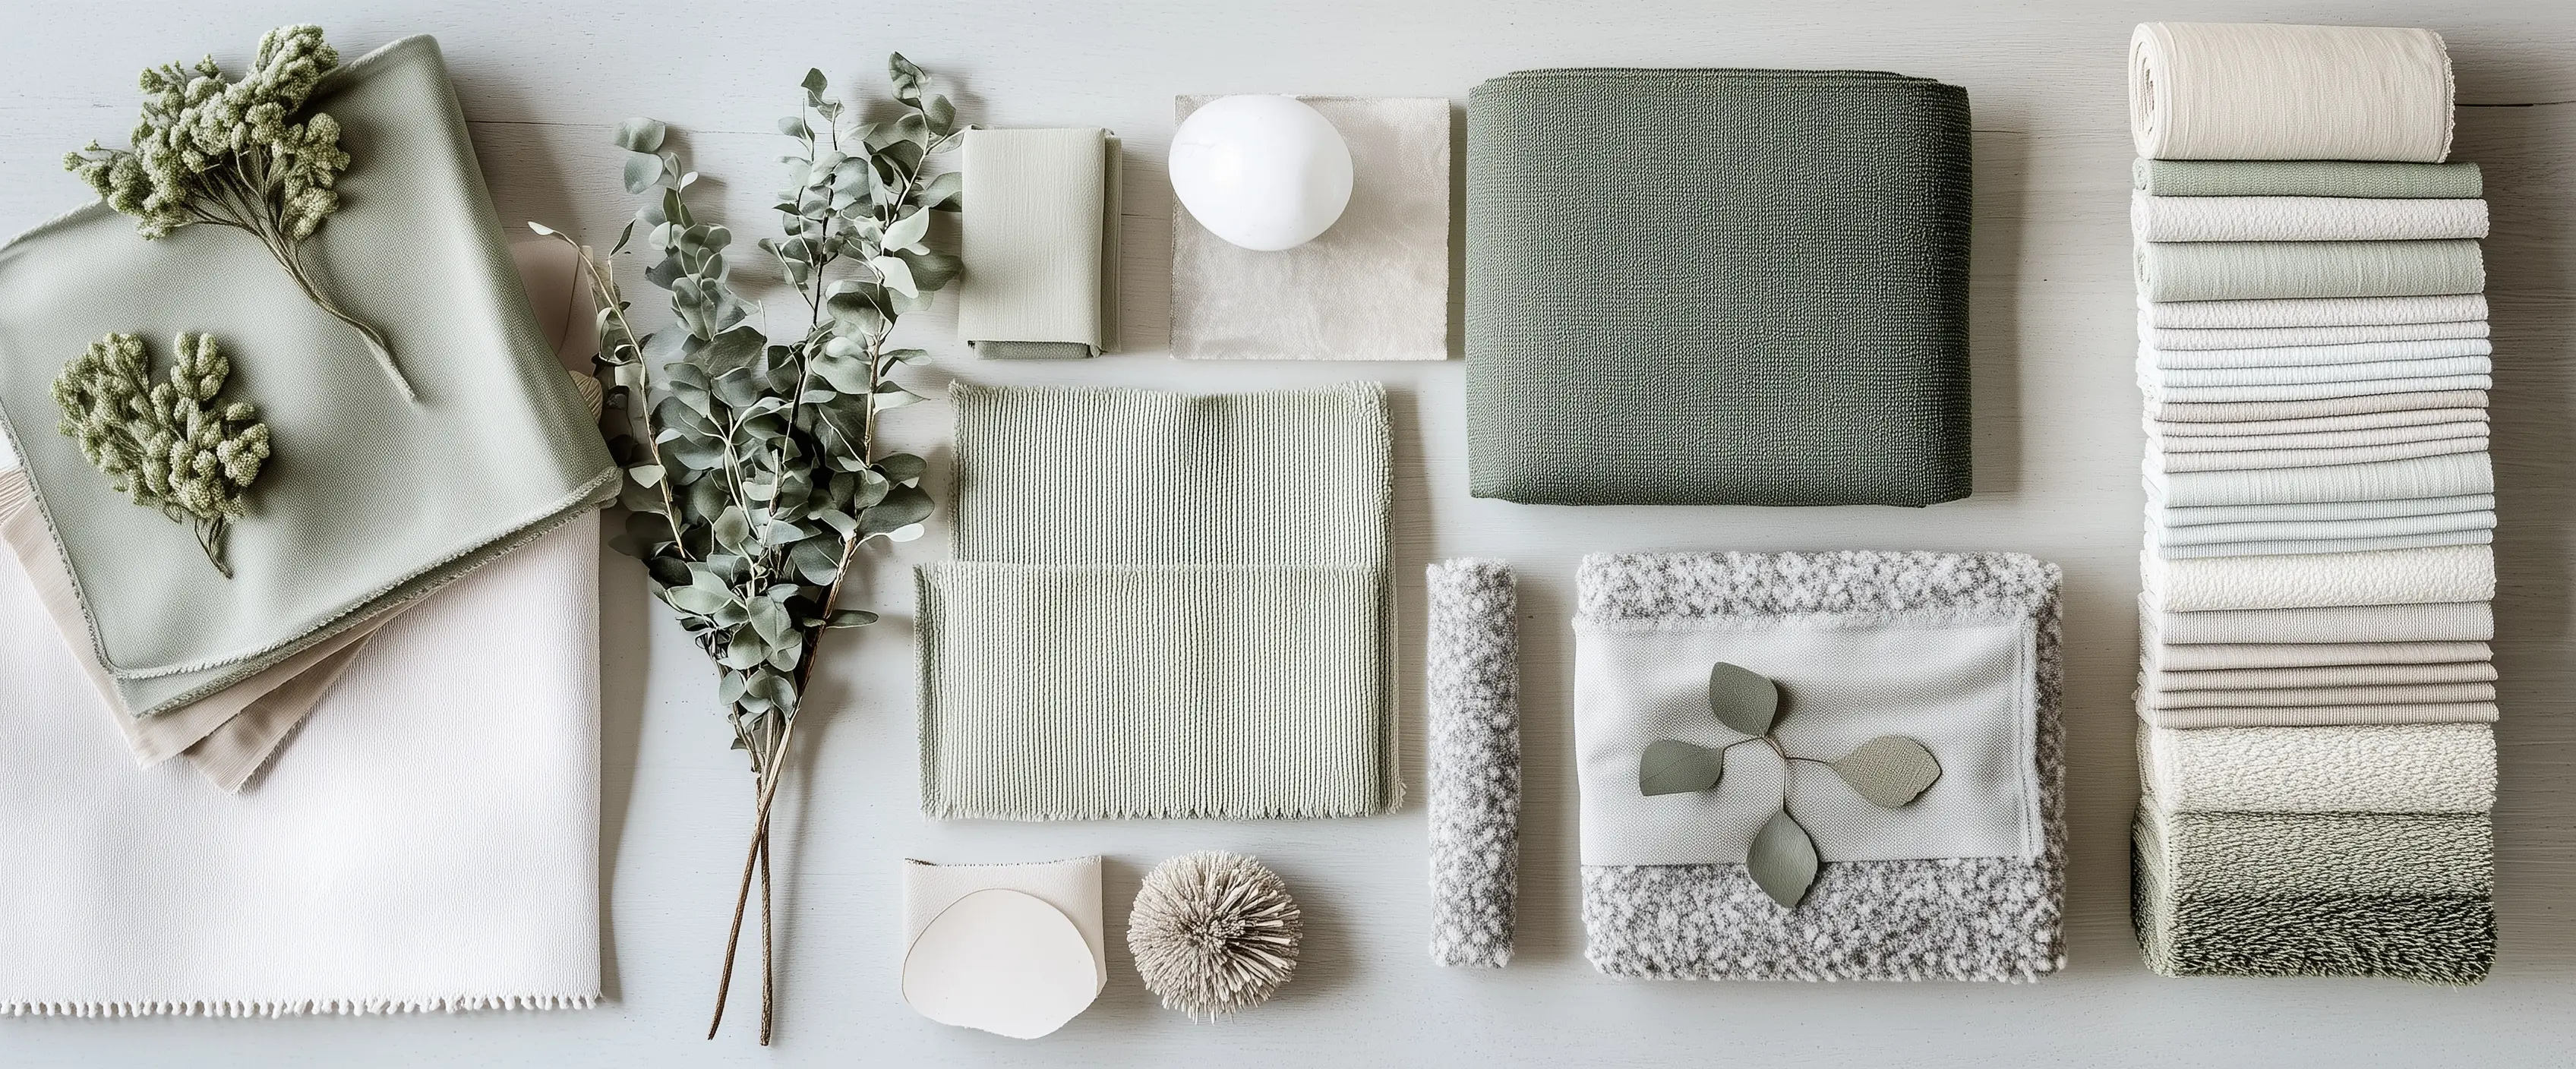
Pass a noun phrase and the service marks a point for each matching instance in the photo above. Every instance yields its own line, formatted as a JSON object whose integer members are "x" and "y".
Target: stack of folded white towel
{"x": 2314, "y": 352}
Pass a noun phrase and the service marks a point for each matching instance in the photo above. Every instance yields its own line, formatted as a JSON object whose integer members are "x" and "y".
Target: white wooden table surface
{"x": 2057, "y": 447}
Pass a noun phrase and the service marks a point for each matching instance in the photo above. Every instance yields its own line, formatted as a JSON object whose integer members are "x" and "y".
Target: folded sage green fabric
{"x": 2261, "y": 270}
{"x": 1161, "y": 605}
{"x": 2307, "y": 178}
{"x": 1040, "y": 241}
{"x": 2282, "y": 894}
{"x": 1756, "y": 293}
{"x": 370, "y": 501}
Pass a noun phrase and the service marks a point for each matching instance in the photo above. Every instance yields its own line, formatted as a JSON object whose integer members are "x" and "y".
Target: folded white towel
{"x": 2238, "y": 443}
{"x": 2153, "y": 218}
{"x": 2309, "y": 697}
{"x": 2340, "y": 355}
{"x": 2453, "y": 475}
{"x": 2315, "y": 312}
{"x": 2260, "y": 459}
{"x": 2158, "y": 656}
{"x": 2381, "y": 577}
{"x": 2161, "y": 395}
{"x": 2310, "y": 546}
{"x": 2181, "y": 338}
{"x": 2173, "y": 681}
{"x": 2362, "y": 421}
{"x": 2320, "y": 715}
{"x": 2294, "y": 530}
{"x": 2378, "y": 768}
{"x": 2468, "y": 621}
{"x": 2171, "y": 518}
{"x": 2317, "y": 408}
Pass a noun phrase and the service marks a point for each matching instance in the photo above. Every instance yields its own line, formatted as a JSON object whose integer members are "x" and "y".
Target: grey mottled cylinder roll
{"x": 1475, "y": 761}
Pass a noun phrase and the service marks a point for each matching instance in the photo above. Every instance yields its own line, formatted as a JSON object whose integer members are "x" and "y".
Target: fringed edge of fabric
{"x": 291, "y": 1007}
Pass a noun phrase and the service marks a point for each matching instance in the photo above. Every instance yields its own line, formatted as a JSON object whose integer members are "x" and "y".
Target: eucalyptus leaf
{"x": 1742, "y": 699}
{"x": 1670, "y": 766}
{"x": 640, "y": 134}
{"x": 850, "y": 618}
{"x": 906, "y": 234}
{"x": 1782, "y": 860}
{"x": 642, "y": 170}
{"x": 1890, "y": 770}
{"x": 896, "y": 274}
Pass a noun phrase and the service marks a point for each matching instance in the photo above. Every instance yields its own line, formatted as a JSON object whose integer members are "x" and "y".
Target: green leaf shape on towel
{"x": 1890, "y": 770}
{"x": 1743, "y": 699}
{"x": 1672, "y": 766}
{"x": 1783, "y": 860}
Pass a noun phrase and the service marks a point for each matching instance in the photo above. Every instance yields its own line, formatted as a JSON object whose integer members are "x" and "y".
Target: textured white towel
{"x": 2393, "y": 768}
{"x": 2290, "y": 312}
{"x": 2311, "y": 546}
{"x": 2443, "y": 476}
{"x": 2354, "y": 354}
{"x": 2472, "y": 621}
{"x": 2363, "y": 404}
{"x": 2384, "y": 577}
{"x": 2275, "y": 337}
{"x": 2237, "y": 443}
{"x": 2295, "y": 530}
{"x": 2319, "y": 715}
{"x": 2303, "y": 218}
{"x": 434, "y": 845}
{"x": 2171, "y": 681}
{"x": 2318, "y": 425}
{"x": 2170, "y": 517}
{"x": 2211, "y": 656}
{"x": 2311, "y": 391}
{"x": 2261, "y": 459}
{"x": 2270, "y": 91}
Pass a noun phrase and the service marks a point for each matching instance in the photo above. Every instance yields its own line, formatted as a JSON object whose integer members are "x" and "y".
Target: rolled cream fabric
{"x": 2455, "y": 475}
{"x": 1040, "y": 241}
{"x": 2307, "y": 178}
{"x": 2151, "y": 356}
{"x": 2173, "y": 431}
{"x": 2383, "y": 577}
{"x": 2315, "y": 312}
{"x": 2234, "y": 716}
{"x": 2315, "y": 408}
{"x": 2266, "y": 91}
{"x": 2389, "y": 768}
{"x": 2472, "y": 621}
{"x": 2266, "y": 270}
{"x": 2153, "y": 218}
{"x": 2177, "y": 338}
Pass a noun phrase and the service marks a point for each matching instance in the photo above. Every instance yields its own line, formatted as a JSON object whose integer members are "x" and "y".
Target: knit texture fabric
{"x": 1985, "y": 918}
{"x": 1798, "y": 312}
{"x": 2154, "y": 218}
{"x": 2307, "y": 178}
{"x": 1472, "y": 680}
{"x": 1162, "y": 605}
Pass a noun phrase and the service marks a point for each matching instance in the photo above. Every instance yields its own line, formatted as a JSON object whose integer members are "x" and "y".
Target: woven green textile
{"x": 2307, "y": 178}
{"x": 370, "y": 501}
{"x": 1717, "y": 287}
{"x": 1162, "y": 605}
{"x": 2244, "y": 894}
{"x": 2259, "y": 270}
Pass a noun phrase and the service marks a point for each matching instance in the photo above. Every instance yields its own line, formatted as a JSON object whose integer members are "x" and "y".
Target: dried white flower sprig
{"x": 1214, "y": 933}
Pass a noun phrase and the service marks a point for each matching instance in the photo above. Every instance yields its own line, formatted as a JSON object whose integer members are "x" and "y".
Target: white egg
{"x": 1263, "y": 172}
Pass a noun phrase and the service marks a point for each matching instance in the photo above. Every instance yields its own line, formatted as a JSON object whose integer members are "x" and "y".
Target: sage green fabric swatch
{"x": 2307, "y": 178}
{"x": 370, "y": 501}
{"x": 2261, "y": 270}
{"x": 1040, "y": 241}
{"x": 1717, "y": 287}
{"x": 1162, "y": 605}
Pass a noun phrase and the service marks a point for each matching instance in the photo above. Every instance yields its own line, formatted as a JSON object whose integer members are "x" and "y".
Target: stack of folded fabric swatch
{"x": 2316, "y": 686}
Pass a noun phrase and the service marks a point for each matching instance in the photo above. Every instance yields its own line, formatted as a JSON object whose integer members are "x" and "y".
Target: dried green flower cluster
{"x": 171, "y": 445}
{"x": 237, "y": 154}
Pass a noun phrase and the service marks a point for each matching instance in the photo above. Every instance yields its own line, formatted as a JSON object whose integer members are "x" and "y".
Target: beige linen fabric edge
{"x": 1373, "y": 287}
{"x": 1039, "y": 236}
{"x": 2267, "y": 91}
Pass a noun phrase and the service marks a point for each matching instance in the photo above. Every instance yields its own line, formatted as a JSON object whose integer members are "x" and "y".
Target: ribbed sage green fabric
{"x": 1717, "y": 287}
{"x": 1162, "y": 605}
{"x": 370, "y": 501}
{"x": 2307, "y": 178}
{"x": 2260, "y": 270}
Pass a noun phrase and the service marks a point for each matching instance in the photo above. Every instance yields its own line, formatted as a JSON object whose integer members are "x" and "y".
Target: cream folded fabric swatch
{"x": 1373, "y": 287}
{"x": 2296, "y": 697}
{"x": 2383, "y": 577}
{"x": 2153, "y": 218}
{"x": 2188, "y": 338}
{"x": 2282, "y": 459}
{"x": 2295, "y": 313}
{"x": 2454, "y": 475}
{"x": 2352, "y": 354}
{"x": 2314, "y": 408}
{"x": 2272, "y": 91}
{"x": 2260, "y": 270}
{"x": 2236, "y": 443}
{"x": 2294, "y": 716}
{"x": 2376, "y": 768}
{"x": 2209, "y": 656}
{"x": 2177, "y": 431}
{"x": 2468, "y": 621}
{"x": 1072, "y": 886}
{"x": 2294, "y": 530}
{"x": 2171, "y": 681}
{"x": 2165, "y": 371}
{"x": 1039, "y": 236}
{"x": 2163, "y": 395}
{"x": 432, "y": 846}
{"x": 2172, "y": 518}
{"x": 2310, "y": 546}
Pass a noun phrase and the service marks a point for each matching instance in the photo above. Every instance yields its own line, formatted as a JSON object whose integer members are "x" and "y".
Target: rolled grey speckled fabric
{"x": 1474, "y": 684}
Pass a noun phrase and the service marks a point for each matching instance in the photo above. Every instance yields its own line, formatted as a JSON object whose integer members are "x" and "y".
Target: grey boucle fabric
{"x": 1474, "y": 698}
{"x": 1950, "y": 919}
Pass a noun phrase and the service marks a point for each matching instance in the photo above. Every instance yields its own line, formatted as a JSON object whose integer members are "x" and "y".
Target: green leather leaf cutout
{"x": 1890, "y": 770}
{"x": 1675, "y": 767}
{"x": 1743, "y": 699}
{"x": 1782, "y": 860}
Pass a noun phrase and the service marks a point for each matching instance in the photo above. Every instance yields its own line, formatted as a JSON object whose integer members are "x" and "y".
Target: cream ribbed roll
{"x": 2261, "y": 91}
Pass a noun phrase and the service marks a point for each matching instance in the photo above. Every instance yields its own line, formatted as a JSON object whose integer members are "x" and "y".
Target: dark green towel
{"x": 1717, "y": 287}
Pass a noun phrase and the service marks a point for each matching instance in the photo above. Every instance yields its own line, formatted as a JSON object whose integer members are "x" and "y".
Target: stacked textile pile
{"x": 2316, "y": 687}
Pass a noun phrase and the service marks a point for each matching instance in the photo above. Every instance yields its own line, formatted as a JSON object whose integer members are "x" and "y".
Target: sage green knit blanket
{"x": 1162, "y": 605}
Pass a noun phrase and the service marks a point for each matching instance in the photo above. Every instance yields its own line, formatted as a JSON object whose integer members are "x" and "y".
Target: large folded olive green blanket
{"x": 1162, "y": 605}
{"x": 1717, "y": 287}
{"x": 370, "y": 501}
{"x": 2277, "y": 894}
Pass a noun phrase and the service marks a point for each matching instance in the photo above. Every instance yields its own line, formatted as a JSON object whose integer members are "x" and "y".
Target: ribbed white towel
{"x": 2466, "y": 621}
{"x": 2273, "y": 91}
{"x": 2346, "y": 355}
{"x": 2238, "y": 443}
{"x": 2293, "y": 530}
{"x": 2320, "y": 715}
{"x": 2157, "y": 395}
{"x": 2314, "y": 408}
{"x": 2213, "y": 656}
{"x": 2154, "y": 218}
{"x": 2170, "y": 517}
{"x": 2293, "y": 312}
{"x": 2309, "y": 546}
{"x": 2384, "y": 577}
{"x": 2270, "y": 459}
{"x": 2277, "y": 337}
{"x": 2170, "y": 681}
{"x": 2454, "y": 475}
{"x": 2391, "y": 768}
{"x": 433, "y": 845}
{"x": 2176, "y": 430}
